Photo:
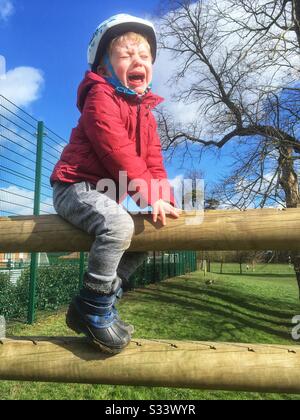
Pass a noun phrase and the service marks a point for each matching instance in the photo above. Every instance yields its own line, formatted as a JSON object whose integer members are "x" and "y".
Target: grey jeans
{"x": 111, "y": 224}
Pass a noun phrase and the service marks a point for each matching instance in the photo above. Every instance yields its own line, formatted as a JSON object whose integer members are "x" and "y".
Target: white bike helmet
{"x": 116, "y": 26}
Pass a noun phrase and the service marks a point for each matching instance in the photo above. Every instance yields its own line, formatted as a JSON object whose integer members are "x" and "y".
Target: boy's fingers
{"x": 155, "y": 214}
{"x": 174, "y": 212}
{"x": 161, "y": 212}
{"x": 178, "y": 211}
{"x": 163, "y": 217}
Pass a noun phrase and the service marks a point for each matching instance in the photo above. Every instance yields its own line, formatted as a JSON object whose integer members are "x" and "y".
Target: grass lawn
{"x": 255, "y": 308}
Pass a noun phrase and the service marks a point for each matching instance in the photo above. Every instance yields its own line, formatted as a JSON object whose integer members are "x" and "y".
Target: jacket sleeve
{"x": 155, "y": 163}
{"x": 116, "y": 152}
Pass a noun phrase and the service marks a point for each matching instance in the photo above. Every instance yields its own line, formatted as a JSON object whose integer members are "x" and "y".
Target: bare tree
{"x": 265, "y": 172}
{"x": 265, "y": 20}
{"x": 238, "y": 60}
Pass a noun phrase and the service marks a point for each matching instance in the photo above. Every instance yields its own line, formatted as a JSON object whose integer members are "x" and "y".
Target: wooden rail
{"x": 224, "y": 366}
{"x": 266, "y": 229}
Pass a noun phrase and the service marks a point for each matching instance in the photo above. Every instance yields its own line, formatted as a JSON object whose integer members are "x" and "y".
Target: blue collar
{"x": 120, "y": 88}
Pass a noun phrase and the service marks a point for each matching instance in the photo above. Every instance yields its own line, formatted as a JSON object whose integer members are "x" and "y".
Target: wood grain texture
{"x": 224, "y": 366}
{"x": 266, "y": 229}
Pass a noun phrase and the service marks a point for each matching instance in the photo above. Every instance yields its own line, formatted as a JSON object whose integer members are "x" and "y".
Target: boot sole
{"x": 79, "y": 328}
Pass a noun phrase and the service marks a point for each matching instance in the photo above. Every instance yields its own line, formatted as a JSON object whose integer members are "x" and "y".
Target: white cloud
{"x": 22, "y": 85}
{"x": 20, "y": 201}
{"x": 164, "y": 69}
{"x": 6, "y": 9}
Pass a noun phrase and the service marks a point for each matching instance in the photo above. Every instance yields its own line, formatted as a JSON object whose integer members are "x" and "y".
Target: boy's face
{"x": 132, "y": 63}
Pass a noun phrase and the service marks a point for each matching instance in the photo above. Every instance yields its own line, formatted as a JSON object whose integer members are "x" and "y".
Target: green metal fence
{"x": 28, "y": 152}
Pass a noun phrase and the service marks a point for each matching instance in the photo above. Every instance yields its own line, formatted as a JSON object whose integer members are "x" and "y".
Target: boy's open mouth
{"x": 136, "y": 79}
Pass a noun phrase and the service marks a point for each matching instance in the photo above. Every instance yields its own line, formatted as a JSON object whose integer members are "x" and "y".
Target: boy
{"x": 116, "y": 133}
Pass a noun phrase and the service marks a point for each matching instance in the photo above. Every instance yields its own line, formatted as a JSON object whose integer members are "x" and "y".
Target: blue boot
{"x": 95, "y": 316}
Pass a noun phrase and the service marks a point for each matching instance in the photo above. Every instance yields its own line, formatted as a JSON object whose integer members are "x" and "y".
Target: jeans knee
{"x": 123, "y": 229}
{"x": 127, "y": 225}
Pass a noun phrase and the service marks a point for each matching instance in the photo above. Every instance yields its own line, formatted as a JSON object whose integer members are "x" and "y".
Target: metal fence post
{"x": 36, "y": 212}
{"x": 180, "y": 264}
{"x": 154, "y": 267}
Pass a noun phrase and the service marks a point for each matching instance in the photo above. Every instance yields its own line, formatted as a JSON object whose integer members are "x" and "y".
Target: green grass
{"x": 255, "y": 308}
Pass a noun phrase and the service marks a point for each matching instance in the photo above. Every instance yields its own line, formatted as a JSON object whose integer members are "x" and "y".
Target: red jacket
{"x": 115, "y": 133}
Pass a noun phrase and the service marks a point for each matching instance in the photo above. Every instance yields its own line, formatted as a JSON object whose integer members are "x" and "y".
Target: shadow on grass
{"x": 264, "y": 275}
{"x": 241, "y": 299}
{"x": 237, "y": 308}
{"x": 216, "y": 314}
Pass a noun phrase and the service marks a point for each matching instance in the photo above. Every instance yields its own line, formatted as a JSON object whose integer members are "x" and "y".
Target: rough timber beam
{"x": 267, "y": 229}
{"x": 244, "y": 367}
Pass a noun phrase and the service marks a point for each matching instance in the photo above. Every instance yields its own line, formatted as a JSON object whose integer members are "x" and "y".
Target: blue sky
{"x": 53, "y": 37}
{"x": 50, "y": 40}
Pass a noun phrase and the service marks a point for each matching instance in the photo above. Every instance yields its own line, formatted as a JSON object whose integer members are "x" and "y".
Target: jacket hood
{"x": 91, "y": 79}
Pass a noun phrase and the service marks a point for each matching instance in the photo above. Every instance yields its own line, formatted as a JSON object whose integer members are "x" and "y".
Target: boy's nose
{"x": 136, "y": 59}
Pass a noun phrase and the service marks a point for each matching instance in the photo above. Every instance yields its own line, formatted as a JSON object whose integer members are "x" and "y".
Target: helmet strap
{"x": 113, "y": 79}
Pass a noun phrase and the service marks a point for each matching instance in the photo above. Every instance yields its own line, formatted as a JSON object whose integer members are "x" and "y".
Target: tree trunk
{"x": 288, "y": 178}
{"x": 296, "y": 18}
{"x": 296, "y": 262}
{"x": 289, "y": 181}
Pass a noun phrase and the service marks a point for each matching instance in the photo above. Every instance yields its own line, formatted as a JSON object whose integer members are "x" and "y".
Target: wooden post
{"x": 221, "y": 230}
{"x": 244, "y": 367}
{"x": 204, "y": 264}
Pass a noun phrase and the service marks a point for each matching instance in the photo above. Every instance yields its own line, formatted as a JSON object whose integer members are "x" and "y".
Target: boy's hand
{"x": 161, "y": 208}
